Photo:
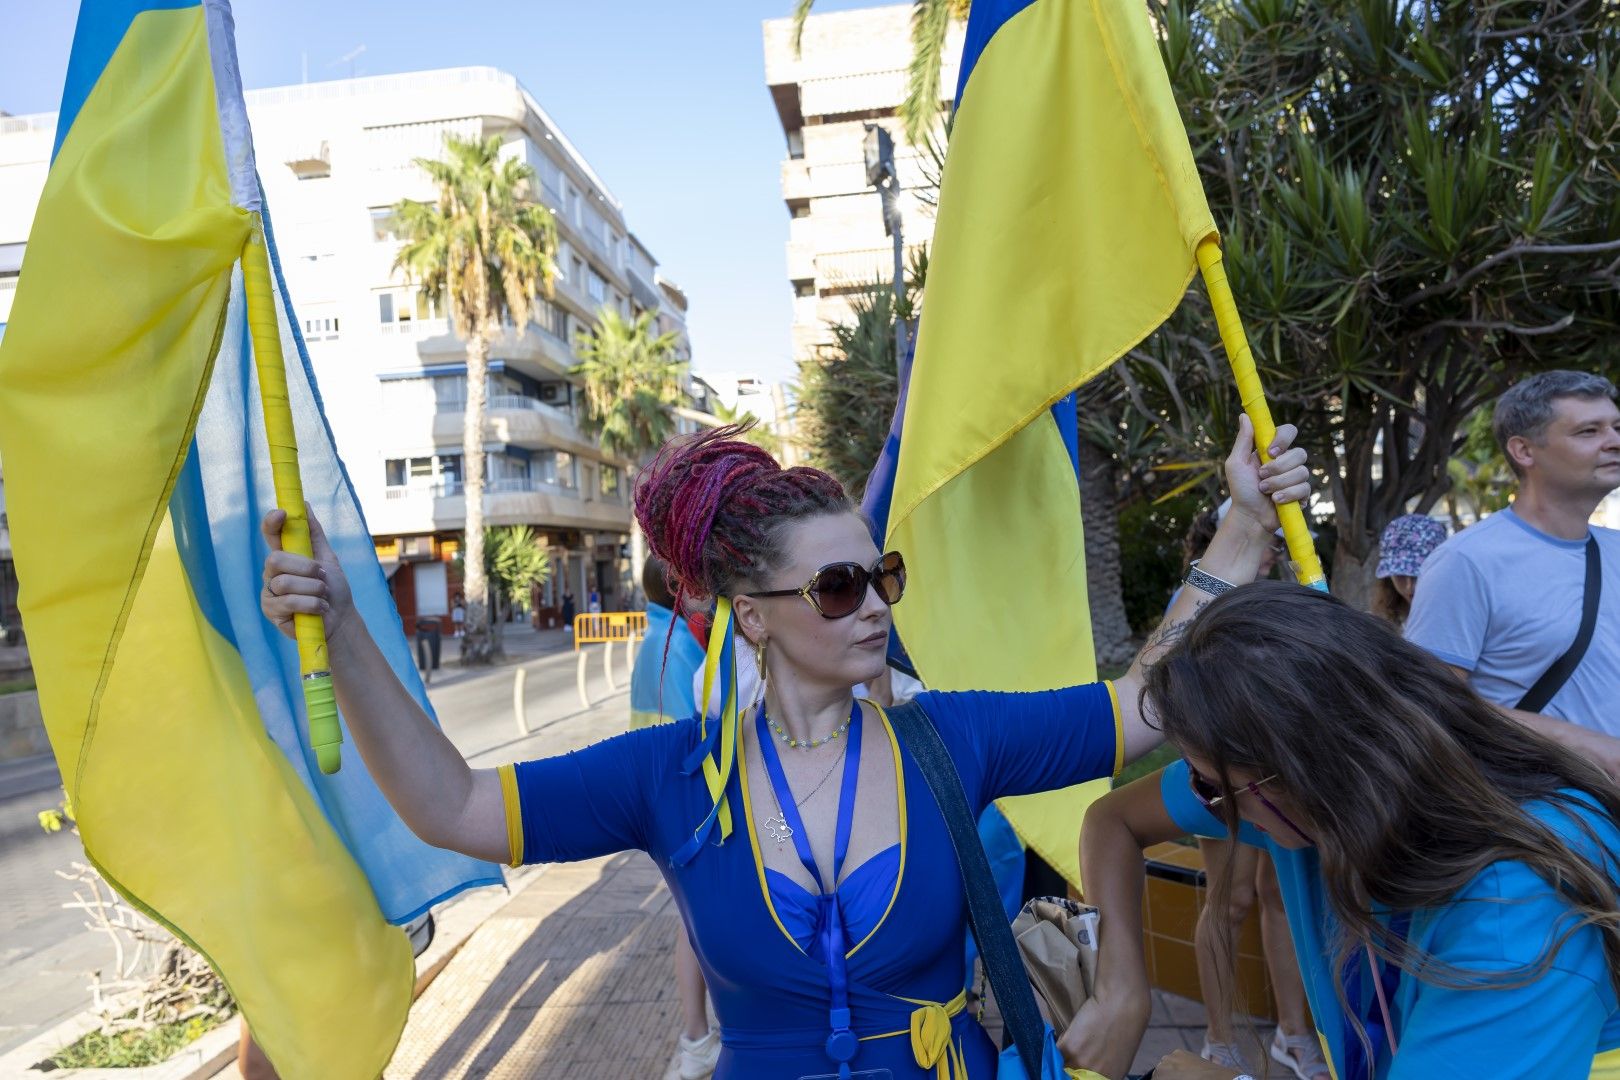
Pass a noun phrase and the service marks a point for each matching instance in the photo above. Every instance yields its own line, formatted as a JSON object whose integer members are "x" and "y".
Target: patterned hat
{"x": 1406, "y": 542}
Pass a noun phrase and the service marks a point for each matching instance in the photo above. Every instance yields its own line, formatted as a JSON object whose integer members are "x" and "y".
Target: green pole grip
{"x": 320, "y": 703}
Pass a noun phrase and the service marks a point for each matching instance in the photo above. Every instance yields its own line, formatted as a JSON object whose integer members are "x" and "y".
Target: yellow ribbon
{"x": 717, "y": 768}
{"x": 931, "y": 1042}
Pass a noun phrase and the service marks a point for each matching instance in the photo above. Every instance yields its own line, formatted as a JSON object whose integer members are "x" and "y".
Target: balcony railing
{"x": 506, "y": 485}
{"x": 508, "y": 402}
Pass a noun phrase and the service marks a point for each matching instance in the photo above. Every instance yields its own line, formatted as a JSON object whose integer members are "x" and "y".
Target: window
{"x": 324, "y": 328}
{"x": 802, "y": 209}
{"x": 556, "y": 467}
{"x": 576, "y": 270}
{"x": 385, "y": 224}
{"x": 399, "y": 309}
{"x": 795, "y": 143}
{"x": 422, "y": 472}
{"x": 610, "y": 482}
{"x": 597, "y": 287}
{"x": 551, "y": 319}
{"x": 804, "y": 288}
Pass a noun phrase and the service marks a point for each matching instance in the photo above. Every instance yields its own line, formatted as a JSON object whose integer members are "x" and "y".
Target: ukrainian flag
{"x": 137, "y": 471}
{"x": 1069, "y": 214}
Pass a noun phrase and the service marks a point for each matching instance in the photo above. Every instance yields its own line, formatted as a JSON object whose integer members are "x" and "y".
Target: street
{"x": 46, "y": 951}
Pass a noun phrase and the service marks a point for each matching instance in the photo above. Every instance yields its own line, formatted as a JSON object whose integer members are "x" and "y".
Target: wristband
{"x": 1207, "y": 583}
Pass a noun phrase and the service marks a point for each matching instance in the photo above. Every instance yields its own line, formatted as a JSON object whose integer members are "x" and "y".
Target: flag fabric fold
{"x": 1069, "y": 214}
{"x": 136, "y": 474}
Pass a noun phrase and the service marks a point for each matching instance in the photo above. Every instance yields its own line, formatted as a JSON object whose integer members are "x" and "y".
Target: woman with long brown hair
{"x": 1450, "y": 876}
{"x": 810, "y": 864}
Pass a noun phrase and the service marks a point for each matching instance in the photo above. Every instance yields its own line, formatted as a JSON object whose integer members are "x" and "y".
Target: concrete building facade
{"x": 850, "y": 72}
{"x": 334, "y": 158}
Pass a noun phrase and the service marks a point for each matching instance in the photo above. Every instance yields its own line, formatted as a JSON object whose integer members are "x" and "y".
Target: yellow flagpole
{"x": 320, "y": 701}
{"x": 1301, "y": 549}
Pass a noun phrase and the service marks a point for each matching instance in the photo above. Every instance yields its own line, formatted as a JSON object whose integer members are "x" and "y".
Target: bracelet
{"x": 1208, "y": 583}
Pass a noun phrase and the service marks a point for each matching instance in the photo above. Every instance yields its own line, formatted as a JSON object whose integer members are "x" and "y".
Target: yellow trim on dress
{"x": 759, "y": 861}
{"x": 753, "y": 843}
{"x": 514, "y": 814}
{"x": 900, "y": 798}
{"x": 1606, "y": 1066}
{"x": 1119, "y": 728}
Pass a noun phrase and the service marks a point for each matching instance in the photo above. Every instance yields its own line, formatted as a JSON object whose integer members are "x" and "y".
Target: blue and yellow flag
{"x": 137, "y": 471}
{"x": 1069, "y": 214}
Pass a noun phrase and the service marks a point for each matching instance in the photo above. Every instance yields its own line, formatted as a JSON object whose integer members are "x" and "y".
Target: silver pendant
{"x": 778, "y": 830}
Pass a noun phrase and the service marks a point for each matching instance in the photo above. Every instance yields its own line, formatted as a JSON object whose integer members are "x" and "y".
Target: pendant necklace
{"x": 777, "y": 828}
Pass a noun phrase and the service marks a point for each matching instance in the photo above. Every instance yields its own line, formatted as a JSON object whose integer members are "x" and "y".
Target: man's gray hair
{"x": 1527, "y": 407}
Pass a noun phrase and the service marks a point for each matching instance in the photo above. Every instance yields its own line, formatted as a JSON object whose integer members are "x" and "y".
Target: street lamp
{"x": 878, "y": 149}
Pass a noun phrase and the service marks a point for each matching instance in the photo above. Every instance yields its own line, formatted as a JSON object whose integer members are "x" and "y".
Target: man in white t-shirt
{"x": 1501, "y": 601}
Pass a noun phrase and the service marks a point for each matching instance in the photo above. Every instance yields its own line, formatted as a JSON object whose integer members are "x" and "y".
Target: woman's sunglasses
{"x": 839, "y": 589}
{"x": 1207, "y": 792}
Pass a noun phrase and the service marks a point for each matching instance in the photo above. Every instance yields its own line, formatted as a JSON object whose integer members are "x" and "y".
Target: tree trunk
{"x": 477, "y": 644}
{"x": 1110, "y": 628}
{"x": 1353, "y": 577}
{"x": 638, "y": 542}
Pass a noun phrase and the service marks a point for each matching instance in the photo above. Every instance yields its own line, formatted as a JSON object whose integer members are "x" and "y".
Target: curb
{"x": 204, "y": 1059}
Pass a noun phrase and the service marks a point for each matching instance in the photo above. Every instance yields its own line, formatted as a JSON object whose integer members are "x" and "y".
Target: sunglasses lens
{"x": 891, "y": 578}
{"x": 1206, "y": 791}
{"x": 840, "y": 589}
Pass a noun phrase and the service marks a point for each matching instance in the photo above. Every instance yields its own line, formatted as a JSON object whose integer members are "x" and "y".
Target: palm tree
{"x": 634, "y": 378}
{"x": 485, "y": 250}
{"x": 930, "y": 19}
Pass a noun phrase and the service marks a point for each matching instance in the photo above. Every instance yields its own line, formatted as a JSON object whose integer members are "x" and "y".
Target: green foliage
{"x": 847, "y": 395}
{"x": 134, "y": 1049}
{"x": 514, "y": 560}
{"x": 765, "y": 440}
{"x": 1151, "y": 762}
{"x": 16, "y": 686}
{"x": 633, "y": 377}
{"x": 1480, "y": 474}
{"x": 1150, "y": 555}
{"x": 484, "y": 247}
{"x": 1417, "y": 203}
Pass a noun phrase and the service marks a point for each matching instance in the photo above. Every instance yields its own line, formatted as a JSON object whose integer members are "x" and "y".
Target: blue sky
{"x": 667, "y": 101}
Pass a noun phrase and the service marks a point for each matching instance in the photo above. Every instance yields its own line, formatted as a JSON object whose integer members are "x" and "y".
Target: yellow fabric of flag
{"x": 182, "y": 800}
{"x": 1069, "y": 213}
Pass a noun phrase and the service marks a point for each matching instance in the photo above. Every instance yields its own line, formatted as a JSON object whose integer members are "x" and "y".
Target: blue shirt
{"x": 1502, "y": 601}
{"x": 770, "y": 993}
{"x": 661, "y": 685}
{"x": 1560, "y": 1026}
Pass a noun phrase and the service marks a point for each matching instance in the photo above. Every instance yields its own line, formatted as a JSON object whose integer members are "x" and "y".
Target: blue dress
{"x": 753, "y": 929}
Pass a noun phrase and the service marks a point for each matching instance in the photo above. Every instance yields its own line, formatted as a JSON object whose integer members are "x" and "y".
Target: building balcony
{"x": 535, "y": 352}
{"x": 513, "y": 501}
{"x": 796, "y": 179}
{"x": 517, "y": 421}
{"x": 801, "y": 260}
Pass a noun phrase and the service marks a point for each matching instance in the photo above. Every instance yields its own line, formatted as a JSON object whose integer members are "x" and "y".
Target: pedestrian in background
{"x": 1406, "y": 543}
{"x": 1525, "y": 605}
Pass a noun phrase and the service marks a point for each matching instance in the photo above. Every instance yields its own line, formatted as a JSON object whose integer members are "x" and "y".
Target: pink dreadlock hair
{"x": 713, "y": 508}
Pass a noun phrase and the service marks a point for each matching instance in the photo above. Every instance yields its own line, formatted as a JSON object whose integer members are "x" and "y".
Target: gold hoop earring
{"x": 759, "y": 667}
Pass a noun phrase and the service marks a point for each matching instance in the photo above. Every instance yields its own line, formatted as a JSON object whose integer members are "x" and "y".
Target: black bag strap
{"x": 1553, "y": 679}
{"x": 1002, "y": 962}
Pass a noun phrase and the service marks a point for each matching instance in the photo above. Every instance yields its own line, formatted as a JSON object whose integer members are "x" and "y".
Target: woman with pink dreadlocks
{"x": 809, "y": 862}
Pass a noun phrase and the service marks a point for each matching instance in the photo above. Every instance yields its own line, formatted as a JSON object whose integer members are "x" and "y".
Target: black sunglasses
{"x": 839, "y": 589}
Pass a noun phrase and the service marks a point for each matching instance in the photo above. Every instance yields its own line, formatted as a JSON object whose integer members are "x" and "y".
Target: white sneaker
{"x": 699, "y": 1056}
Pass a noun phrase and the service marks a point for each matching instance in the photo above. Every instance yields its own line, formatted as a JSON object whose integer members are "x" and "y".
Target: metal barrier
{"x": 607, "y": 628}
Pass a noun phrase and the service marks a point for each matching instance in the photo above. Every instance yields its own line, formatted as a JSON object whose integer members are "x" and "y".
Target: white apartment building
{"x": 334, "y": 158}
{"x": 850, "y": 72}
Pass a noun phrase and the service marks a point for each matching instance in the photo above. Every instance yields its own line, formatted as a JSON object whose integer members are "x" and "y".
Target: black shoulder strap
{"x": 988, "y": 919}
{"x": 1552, "y": 680}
